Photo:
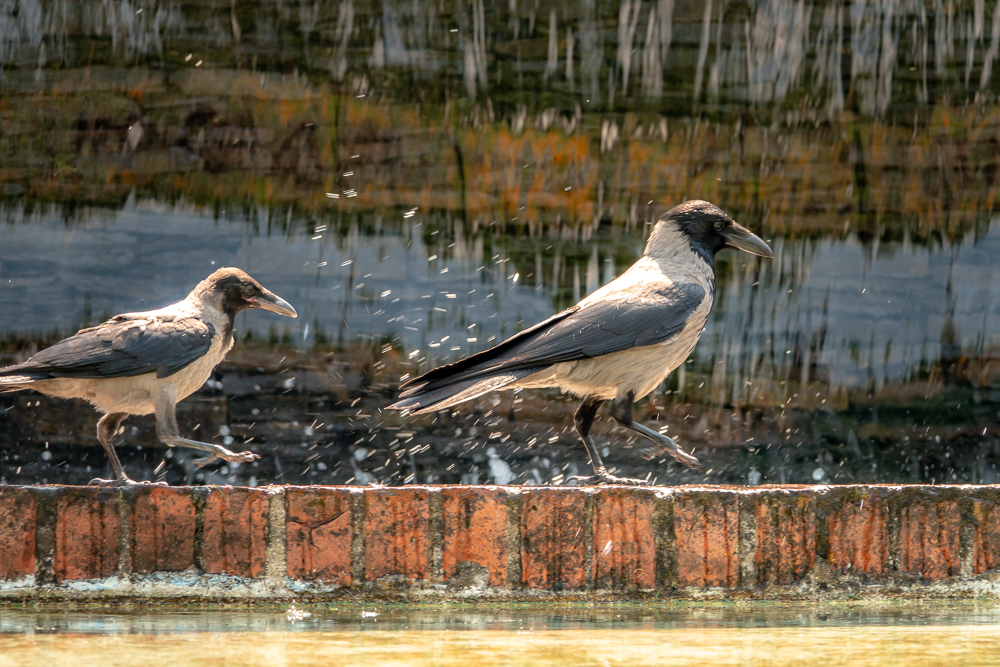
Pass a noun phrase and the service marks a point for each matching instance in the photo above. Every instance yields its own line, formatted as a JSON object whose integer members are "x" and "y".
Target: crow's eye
{"x": 248, "y": 290}
{"x": 719, "y": 225}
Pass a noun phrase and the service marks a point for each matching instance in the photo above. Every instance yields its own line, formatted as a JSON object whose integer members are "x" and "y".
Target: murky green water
{"x": 422, "y": 179}
{"x": 791, "y": 635}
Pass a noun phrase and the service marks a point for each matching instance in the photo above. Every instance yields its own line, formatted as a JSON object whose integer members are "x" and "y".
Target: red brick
{"x": 858, "y": 539}
{"x": 475, "y": 530}
{"x": 88, "y": 528}
{"x": 553, "y": 539}
{"x": 163, "y": 526}
{"x": 397, "y": 533}
{"x": 707, "y": 529}
{"x": 624, "y": 545}
{"x": 235, "y": 533}
{"x": 928, "y": 538}
{"x": 318, "y": 529}
{"x": 986, "y": 536}
{"x": 786, "y": 536}
{"x": 17, "y": 533}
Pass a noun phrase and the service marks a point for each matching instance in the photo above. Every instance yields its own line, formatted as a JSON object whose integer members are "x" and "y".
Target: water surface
{"x": 627, "y": 635}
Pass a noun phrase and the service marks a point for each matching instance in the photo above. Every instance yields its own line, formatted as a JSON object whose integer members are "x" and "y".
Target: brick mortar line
{"x": 198, "y": 498}
{"x": 515, "y": 510}
{"x": 276, "y": 550}
{"x": 966, "y": 537}
{"x": 746, "y": 539}
{"x": 46, "y": 507}
{"x": 125, "y": 499}
{"x": 435, "y": 536}
{"x": 664, "y": 542}
{"x": 358, "y": 537}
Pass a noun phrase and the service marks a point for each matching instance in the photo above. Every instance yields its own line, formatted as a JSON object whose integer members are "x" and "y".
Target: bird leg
{"x": 169, "y": 434}
{"x": 584, "y": 419}
{"x": 621, "y": 410}
{"x": 107, "y": 426}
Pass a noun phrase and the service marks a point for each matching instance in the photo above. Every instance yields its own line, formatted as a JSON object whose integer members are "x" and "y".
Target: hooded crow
{"x": 141, "y": 363}
{"x": 617, "y": 344}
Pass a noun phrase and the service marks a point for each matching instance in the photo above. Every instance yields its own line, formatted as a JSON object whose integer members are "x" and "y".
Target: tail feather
{"x": 15, "y": 382}
{"x": 419, "y": 400}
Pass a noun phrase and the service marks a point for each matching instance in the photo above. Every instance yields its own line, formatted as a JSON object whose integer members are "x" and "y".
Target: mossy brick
{"x": 553, "y": 539}
{"x": 17, "y": 533}
{"x": 235, "y": 531}
{"x": 318, "y": 532}
{"x": 858, "y": 537}
{"x": 706, "y": 525}
{"x": 87, "y": 534}
{"x": 162, "y": 530}
{"x": 397, "y": 533}
{"x": 985, "y": 519}
{"x": 786, "y": 535}
{"x": 474, "y": 521}
{"x": 624, "y": 544}
{"x": 929, "y": 537}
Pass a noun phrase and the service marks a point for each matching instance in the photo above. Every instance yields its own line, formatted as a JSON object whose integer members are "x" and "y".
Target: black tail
{"x": 475, "y": 375}
{"x": 428, "y": 398}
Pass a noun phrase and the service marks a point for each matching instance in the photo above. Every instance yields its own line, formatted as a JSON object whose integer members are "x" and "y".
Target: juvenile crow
{"x": 139, "y": 363}
{"x": 617, "y": 344}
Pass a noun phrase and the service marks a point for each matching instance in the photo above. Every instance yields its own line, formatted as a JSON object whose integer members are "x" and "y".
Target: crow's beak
{"x": 742, "y": 238}
{"x": 270, "y": 301}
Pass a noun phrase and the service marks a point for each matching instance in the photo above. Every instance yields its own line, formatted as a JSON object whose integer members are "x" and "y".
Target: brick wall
{"x": 486, "y": 541}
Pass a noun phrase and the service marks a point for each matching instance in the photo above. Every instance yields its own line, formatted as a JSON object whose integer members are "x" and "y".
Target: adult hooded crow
{"x": 139, "y": 363}
{"x": 617, "y": 344}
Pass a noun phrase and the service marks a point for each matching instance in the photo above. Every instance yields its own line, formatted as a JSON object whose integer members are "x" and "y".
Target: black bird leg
{"x": 621, "y": 410}
{"x": 169, "y": 434}
{"x": 584, "y": 419}
{"x": 107, "y": 426}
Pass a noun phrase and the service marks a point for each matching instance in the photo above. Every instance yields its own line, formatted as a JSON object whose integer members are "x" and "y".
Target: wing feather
{"x": 122, "y": 348}
{"x": 606, "y": 326}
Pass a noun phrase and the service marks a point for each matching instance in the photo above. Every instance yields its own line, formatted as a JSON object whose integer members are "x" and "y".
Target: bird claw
{"x": 225, "y": 454}
{"x": 604, "y": 477}
{"x": 679, "y": 454}
{"x": 116, "y": 483}
{"x": 687, "y": 459}
{"x": 242, "y": 457}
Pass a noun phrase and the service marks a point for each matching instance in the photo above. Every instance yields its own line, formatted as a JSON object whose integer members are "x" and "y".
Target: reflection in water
{"x": 423, "y": 180}
{"x": 760, "y": 52}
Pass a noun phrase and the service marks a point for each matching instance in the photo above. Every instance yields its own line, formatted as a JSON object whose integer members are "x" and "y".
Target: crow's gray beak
{"x": 270, "y": 301}
{"x": 742, "y": 238}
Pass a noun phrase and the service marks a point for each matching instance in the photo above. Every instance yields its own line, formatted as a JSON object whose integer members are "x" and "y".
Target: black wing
{"x": 122, "y": 349}
{"x": 613, "y": 325}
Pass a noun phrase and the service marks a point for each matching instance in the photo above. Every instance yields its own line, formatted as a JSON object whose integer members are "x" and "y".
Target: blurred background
{"x": 424, "y": 178}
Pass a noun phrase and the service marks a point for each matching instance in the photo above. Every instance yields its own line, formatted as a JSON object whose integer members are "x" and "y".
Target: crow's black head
{"x": 708, "y": 230}
{"x": 234, "y": 290}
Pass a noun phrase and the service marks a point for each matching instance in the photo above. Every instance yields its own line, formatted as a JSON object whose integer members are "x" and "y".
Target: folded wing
{"x": 627, "y": 320}
{"x": 121, "y": 349}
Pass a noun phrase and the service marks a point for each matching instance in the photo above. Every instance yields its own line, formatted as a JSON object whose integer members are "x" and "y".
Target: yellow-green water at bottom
{"x": 914, "y": 646}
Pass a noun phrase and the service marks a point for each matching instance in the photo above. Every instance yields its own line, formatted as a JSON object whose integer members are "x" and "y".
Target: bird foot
{"x": 667, "y": 444}
{"x": 683, "y": 457}
{"x": 604, "y": 477}
{"x": 115, "y": 483}
{"x": 242, "y": 457}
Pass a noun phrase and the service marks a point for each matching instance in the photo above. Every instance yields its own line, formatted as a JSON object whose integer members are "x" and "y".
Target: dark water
{"x": 422, "y": 179}
{"x": 619, "y": 635}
